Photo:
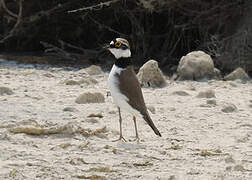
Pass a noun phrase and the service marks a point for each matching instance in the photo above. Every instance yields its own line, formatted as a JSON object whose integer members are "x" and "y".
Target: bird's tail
{"x": 147, "y": 118}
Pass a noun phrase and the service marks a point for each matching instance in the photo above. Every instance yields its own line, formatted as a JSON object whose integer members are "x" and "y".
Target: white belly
{"x": 119, "y": 99}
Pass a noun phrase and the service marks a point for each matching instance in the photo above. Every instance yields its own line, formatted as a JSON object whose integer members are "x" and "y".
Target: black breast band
{"x": 123, "y": 62}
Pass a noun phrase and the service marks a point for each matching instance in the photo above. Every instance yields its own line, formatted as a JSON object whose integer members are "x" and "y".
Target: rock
{"x": 150, "y": 75}
{"x": 238, "y": 73}
{"x": 88, "y": 97}
{"x": 211, "y": 102}
{"x": 70, "y": 109}
{"x": 206, "y": 94}
{"x": 93, "y": 70}
{"x": 6, "y": 90}
{"x": 181, "y": 93}
{"x": 228, "y": 108}
{"x": 88, "y": 81}
{"x": 196, "y": 65}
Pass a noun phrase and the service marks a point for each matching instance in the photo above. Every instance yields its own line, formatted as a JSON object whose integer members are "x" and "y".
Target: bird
{"x": 125, "y": 88}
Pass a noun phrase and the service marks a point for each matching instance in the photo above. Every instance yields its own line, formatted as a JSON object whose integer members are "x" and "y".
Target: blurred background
{"x": 74, "y": 31}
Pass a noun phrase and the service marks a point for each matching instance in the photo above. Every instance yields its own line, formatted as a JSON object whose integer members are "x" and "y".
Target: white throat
{"x": 119, "y": 53}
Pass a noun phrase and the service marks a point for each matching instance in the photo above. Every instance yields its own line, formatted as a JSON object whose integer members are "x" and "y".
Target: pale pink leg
{"x": 121, "y": 138}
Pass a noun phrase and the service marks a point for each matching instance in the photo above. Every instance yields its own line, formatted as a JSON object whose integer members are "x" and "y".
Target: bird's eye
{"x": 124, "y": 47}
{"x": 118, "y": 44}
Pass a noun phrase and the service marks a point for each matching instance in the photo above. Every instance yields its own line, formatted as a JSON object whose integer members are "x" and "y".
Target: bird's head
{"x": 120, "y": 48}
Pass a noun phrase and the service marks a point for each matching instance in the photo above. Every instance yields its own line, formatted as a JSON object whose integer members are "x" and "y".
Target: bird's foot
{"x": 137, "y": 139}
{"x": 121, "y": 138}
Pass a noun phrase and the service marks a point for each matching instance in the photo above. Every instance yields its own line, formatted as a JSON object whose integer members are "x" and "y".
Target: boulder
{"x": 228, "y": 108}
{"x": 196, "y": 65}
{"x": 88, "y": 81}
{"x": 238, "y": 73}
{"x": 206, "y": 94}
{"x": 150, "y": 75}
{"x": 88, "y": 97}
{"x": 93, "y": 70}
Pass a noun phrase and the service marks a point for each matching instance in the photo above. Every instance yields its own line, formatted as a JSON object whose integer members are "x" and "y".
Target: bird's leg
{"x": 137, "y": 137}
{"x": 120, "y": 123}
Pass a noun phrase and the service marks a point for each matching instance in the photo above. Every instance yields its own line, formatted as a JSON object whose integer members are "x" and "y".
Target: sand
{"x": 45, "y": 134}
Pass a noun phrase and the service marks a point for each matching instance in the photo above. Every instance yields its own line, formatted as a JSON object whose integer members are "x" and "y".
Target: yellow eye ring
{"x": 118, "y": 44}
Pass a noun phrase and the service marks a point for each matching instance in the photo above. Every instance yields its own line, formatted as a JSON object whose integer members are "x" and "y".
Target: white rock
{"x": 211, "y": 101}
{"x": 70, "y": 109}
{"x": 196, "y": 65}
{"x": 88, "y": 97}
{"x": 93, "y": 70}
{"x": 206, "y": 94}
{"x": 88, "y": 81}
{"x": 228, "y": 108}
{"x": 238, "y": 73}
{"x": 150, "y": 75}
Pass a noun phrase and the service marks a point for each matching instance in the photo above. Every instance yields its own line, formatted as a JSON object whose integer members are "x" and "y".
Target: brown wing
{"x": 134, "y": 93}
{"x": 130, "y": 87}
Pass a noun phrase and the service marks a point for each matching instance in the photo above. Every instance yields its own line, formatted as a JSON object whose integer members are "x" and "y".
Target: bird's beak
{"x": 106, "y": 46}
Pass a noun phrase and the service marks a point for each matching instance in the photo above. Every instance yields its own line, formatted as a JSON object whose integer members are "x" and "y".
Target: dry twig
{"x": 94, "y": 7}
{"x": 64, "y": 52}
{"x": 2, "y": 2}
{"x": 18, "y": 22}
{"x": 108, "y": 28}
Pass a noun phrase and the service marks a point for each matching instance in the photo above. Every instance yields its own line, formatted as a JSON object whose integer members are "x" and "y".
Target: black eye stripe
{"x": 124, "y": 46}
{"x": 111, "y": 45}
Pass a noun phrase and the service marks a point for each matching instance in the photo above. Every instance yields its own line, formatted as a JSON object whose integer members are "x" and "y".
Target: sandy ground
{"x": 199, "y": 141}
